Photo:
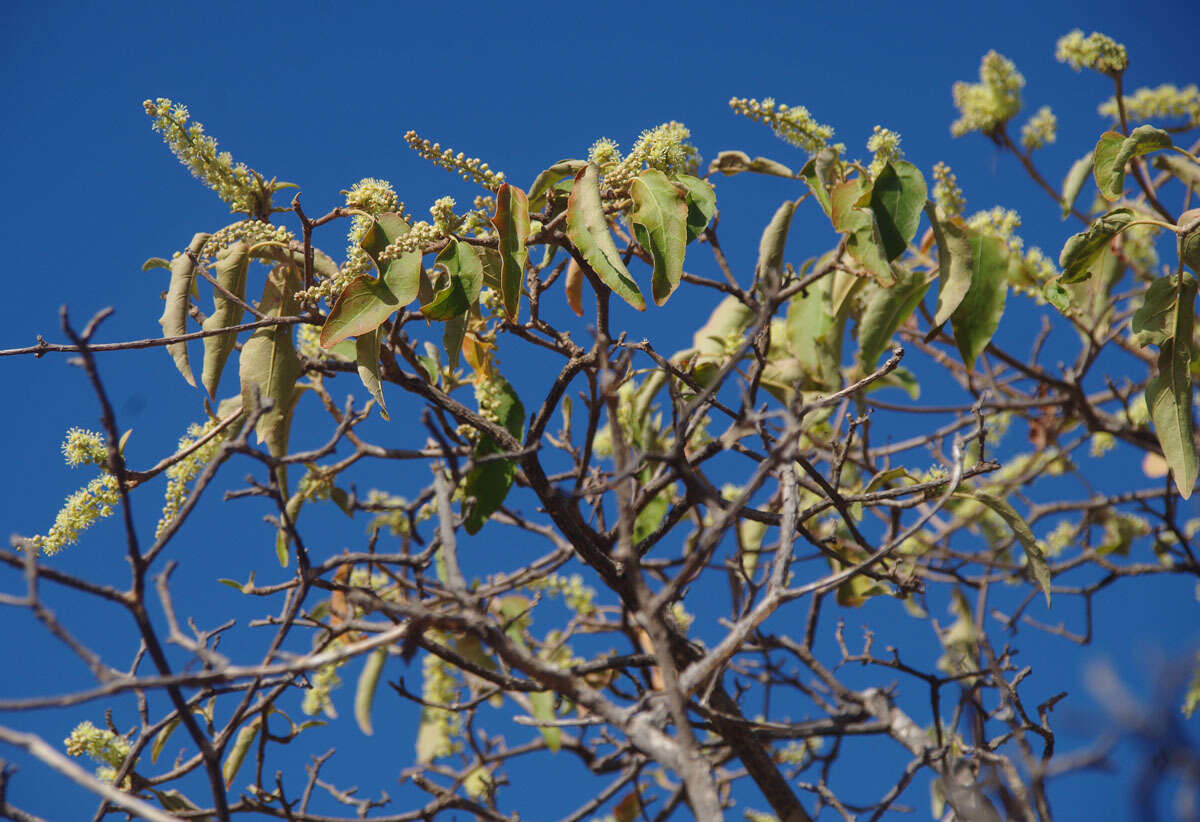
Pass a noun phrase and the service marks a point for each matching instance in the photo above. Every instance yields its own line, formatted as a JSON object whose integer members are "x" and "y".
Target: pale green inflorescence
{"x": 317, "y": 698}
{"x": 94, "y": 501}
{"x": 885, "y": 146}
{"x": 253, "y": 232}
{"x": 181, "y": 474}
{"x": 469, "y": 168}
{"x": 1167, "y": 100}
{"x": 234, "y": 183}
{"x": 987, "y": 105}
{"x": 1095, "y": 51}
{"x": 373, "y": 197}
{"x": 664, "y": 147}
{"x": 577, "y": 596}
{"x": 1040, "y": 130}
{"x": 1003, "y": 223}
{"x": 946, "y": 193}
{"x": 793, "y": 124}
{"x": 440, "y": 687}
{"x": 105, "y": 747}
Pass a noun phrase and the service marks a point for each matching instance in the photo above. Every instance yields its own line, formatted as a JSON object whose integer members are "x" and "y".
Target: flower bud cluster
{"x": 83, "y": 447}
{"x": 181, "y": 474}
{"x": 372, "y": 196}
{"x": 578, "y": 597}
{"x": 946, "y": 193}
{"x": 1160, "y": 102}
{"x": 234, "y": 183}
{"x": 418, "y": 237}
{"x": 987, "y": 105}
{"x": 253, "y": 232}
{"x": 885, "y": 144}
{"x": 1095, "y": 51}
{"x": 791, "y": 123}
{"x": 321, "y": 684}
{"x": 105, "y": 747}
{"x": 440, "y": 687}
{"x": 469, "y": 168}
{"x": 1040, "y": 130}
{"x": 389, "y": 512}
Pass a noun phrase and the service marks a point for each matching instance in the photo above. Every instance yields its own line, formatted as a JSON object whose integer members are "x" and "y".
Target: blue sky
{"x": 320, "y": 94}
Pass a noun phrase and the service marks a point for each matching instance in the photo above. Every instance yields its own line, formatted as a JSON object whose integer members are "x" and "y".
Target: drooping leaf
{"x": 1081, "y": 169}
{"x": 573, "y": 283}
{"x": 813, "y": 334}
{"x": 1181, "y": 168}
{"x": 737, "y": 162}
{"x": 269, "y": 365}
{"x": 850, "y": 216}
{"x": 364, "y": 692}
{"x": 886, "y": 309}
{"x": 1189, "y": 241}
{"x": 543, "y": 709}
{"x": 819, "y": 175}
{"x": 659, "y": 220}
{"x": 452, "y": 338}
{"x": 731, "y": 316}
{"x": 897, "y": 197}
{"x": 489, "y": 259}
{"x": 232, "y": 264}
{"x": 449, "y": 302}
{"x": 175, "y": 311}
{"x": 1033, "y": 551}
{"x": 156, "y": 262}
{"x": 367, "y": 301}
{"x": 1083, "y": 249}
{"x": 366, "y": 349}
{"x": 160, "y": 741}
{"x": 701, "y": 203}
{"x": 173, "y": 800}
{"x": 488, "y": 483}
{"x": 433, "y": 738}
{"x": 461, "y": 261}
{"x": 1154, "y": 321}
{"x": 1169, "y": 393}
{"x": 956, "y": 259}
{"x": 651, "y": 516}
{"x": 546, "y": 180}
{"x": 237, "y": 752}
{"x": 977, "y": 317}
{"x": 511, "y": 222}
{"x": 587, "y": 228}
{"x": 769, "y": 271}
{"x": 1109, "y": 163}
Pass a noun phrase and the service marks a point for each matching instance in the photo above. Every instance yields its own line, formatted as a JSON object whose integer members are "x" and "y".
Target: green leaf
{"x": 488, "y": 483}
{"x": 864, "y": 242}
{"x": 1057, "y": 295}
{"x": 977, "y": 317}
{"x": 701, "y": 203}
{"x": 175, "y": 312}
{"x": 543, "y": 709}
{"x": 1189, "y": 241}
{"x": 1103, "y": 156}
{"x": 1081, "y": 169}
{"x": 366, "y": 349}
{"x": 1033, "y": 552}
{"x": 1169, "y": 393}
{"x": 512, "y": 227}
{"x": 659, "y": 219}
{"x": 269, "y": 365}
{"x": 461, "y": 261}
{"x": 450, "y": 302}
{"x": 651, "y": 516}
{"x": 769, "y": 271}
{"x": 241, "y": 746}
{"x": 886, "y": 309}
{"x": 364, "y": 692}
{"x": 1083, "y": 249}
{"x": 160, "y": 741}
{"x": 731, "y": 316}
{"x": 956, "y": 260}
{"x": 587, "y": 228}
{"x": 1181, "y": 168}
{"x": 367, "y": 302}
{"x": 737, "y": 162}
{"x": 1111, "y": 156}
{"x": 548, "y": 178}
{"x": 173, "y": 800}
{"x": 814, "y": 334}
{"x": 232, "y": 264}
{"x": 1154, "y": 321}
{"x": 897, "y": 198}
{"x": 452, "y": 338}
{"x": 156, "y": 262}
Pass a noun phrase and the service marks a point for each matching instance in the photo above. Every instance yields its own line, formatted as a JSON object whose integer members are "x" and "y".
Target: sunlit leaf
{"x": 659, "y": 219}
{"x": 1081, "y": 169}
{"x": 587, "y": 228}
{"x": 737, "y": 162}
{"x": 1033, "y": 551}
{"x": 232, "y": 264}
{"x": 545, "y": 181}
{"x": 1083, "y": 249}
{"x": 1113, "y": 151}
{"x": 367, "y": 357}
{"x": 769, "y": 271}
{"x": 897, "y": 197}
{"x": 543, "y": 709}
{"x": 511, "y": 222}
{"x": 977, "y": 316}
{"x": 269, "y": 365}
{"x": 573, "y": 284}
{"x": 1169, "y": 393}
{"x": 175, "y": 311}
{"x": 364, "y": 692}
{"x": 886, "y": 309}
{"x": 701, "y": 203}
{"x": 237, "y": 752}
{"x": 956, "y": 261}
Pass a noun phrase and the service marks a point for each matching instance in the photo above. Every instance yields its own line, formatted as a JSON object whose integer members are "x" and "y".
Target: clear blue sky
{"x": 320, "y": 94}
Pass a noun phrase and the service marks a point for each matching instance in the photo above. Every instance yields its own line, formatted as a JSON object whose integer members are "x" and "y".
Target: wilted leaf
{"x": 367, "y": 355}
{"x": 1083, "y": 249}
{"x": 818, "y": 175}
{"x": 897, "y": 197}
{"x": 512, "y": 228}
{"x": 546, "y": 180}
{"x": 736, "y": 162}
{"x": 1181, "y": 168}
{"x": 232, "y": 264}
{"x": 156, "y": 262}
{"x": 237, "y": 752}
{"x": 269, "y": 365}
{"x": 659, "y": 220}
{"x": 1081, "y": 169}
{"x": 364, "y": 693}
{"x": 769, "y": 271}
{"x": 1033, "y": 552}
{"x": 587, "y": 228}
{"x": 175, "y": 312}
